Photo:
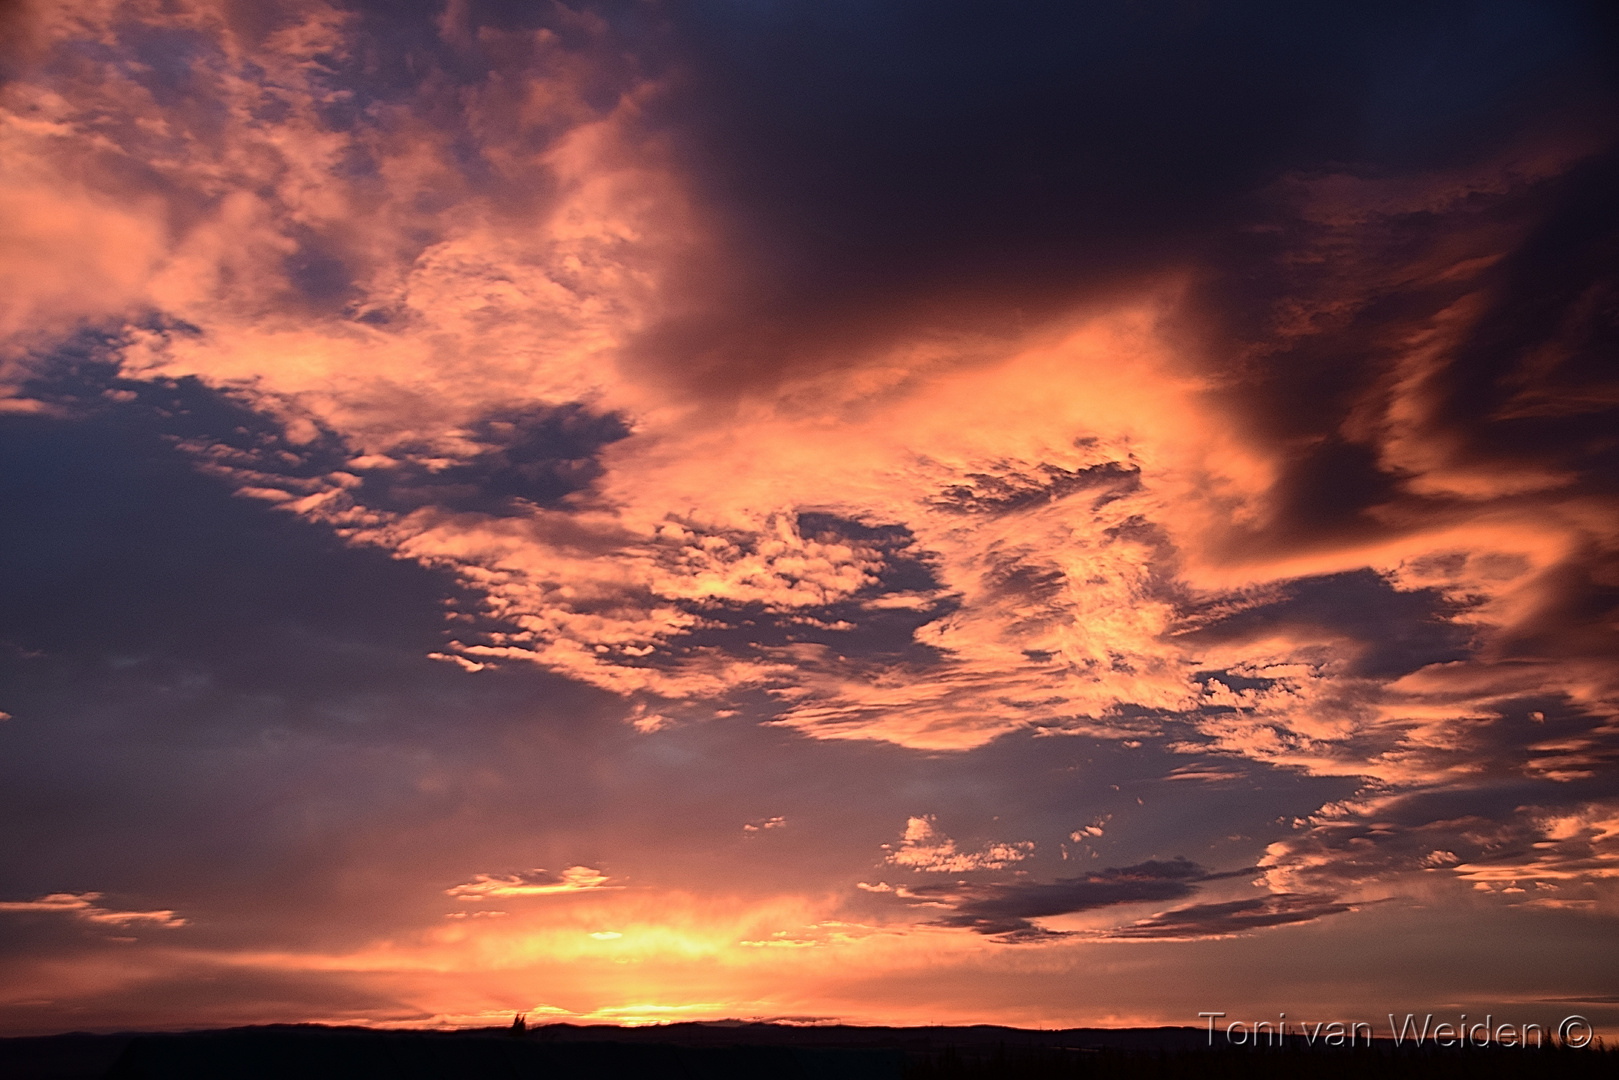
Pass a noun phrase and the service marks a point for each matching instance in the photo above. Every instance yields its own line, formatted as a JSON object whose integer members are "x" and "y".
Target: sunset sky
{"x": 891, "y": 511}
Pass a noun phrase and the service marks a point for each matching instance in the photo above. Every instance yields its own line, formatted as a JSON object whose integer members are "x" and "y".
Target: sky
{"x": 882, "y": 512}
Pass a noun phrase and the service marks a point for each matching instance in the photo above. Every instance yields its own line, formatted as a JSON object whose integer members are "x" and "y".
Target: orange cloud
{"x": 83, "y": 906}
{"x": 923, "y": 848}
{"x": 1070, "y": 518}
{"x": 530, "y": 883}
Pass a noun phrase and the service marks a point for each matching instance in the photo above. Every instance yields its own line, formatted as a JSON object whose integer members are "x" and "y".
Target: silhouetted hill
{"x": 744, "y": 1051}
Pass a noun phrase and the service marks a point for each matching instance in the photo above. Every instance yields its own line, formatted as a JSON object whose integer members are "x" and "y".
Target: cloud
{"x": 82, "y": 906}
{"x": 1232, "y": 917}
{"x": 1008, "y": 910}
{"x": 1233, "y": 384}
{"x": 1500, "y": 843}
{"x": 496, "y": 388}
{"x": 924, "y": 848}
{"x": 1150, "y": 520}
{"x": 530, "y": 883}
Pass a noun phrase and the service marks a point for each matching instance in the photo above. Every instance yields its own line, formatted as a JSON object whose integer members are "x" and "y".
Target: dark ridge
{"x": 733, "y": 1050}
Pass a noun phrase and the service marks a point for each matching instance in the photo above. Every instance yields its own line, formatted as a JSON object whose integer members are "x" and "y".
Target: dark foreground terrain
{"x": 743, "y": 1051}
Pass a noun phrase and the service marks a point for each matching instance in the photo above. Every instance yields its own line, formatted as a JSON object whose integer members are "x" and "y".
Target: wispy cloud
{"x": 1232, "y": 917}
{"x": 530, "y": 883}
{"x": 1009, "y": 909}
{"x": 924, "y": 848}
{"x": 83, "y": 906}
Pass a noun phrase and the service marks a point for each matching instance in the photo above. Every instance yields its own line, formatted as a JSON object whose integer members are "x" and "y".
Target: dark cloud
{"x": 873, "y": 162}
{"x": 1008, "y": 909}
{"x": 1542, "y": 838}
{"x": 1577, "y": 613}
{"x": 1505, "y": 275}
{"x": 1232, "y": 917}
{"x": 866, "y": 130}
{"x": 1393, "y": 631}
{"x": 1533, "y": 375}
{"x": 1011, "y": 491}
